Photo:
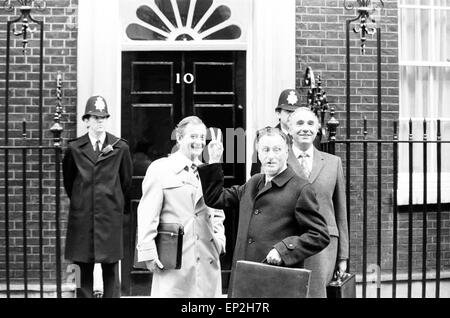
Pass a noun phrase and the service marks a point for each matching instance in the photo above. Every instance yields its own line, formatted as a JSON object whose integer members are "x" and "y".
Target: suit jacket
{"x": 96, "y": 187}
{"x": 283, "y": 214}
{"x": 327, "y": 178}
{"x": 172, "y": 194}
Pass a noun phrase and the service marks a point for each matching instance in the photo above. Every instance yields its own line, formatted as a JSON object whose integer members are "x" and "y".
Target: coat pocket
{"x": 173, "y": 183}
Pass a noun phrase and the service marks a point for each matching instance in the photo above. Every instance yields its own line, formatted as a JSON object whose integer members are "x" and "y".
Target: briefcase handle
{"x": 339, "y": 278}
{"x": 264, "y": 261}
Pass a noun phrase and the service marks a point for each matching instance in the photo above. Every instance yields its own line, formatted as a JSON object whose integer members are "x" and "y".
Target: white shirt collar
{"x": 298, "y": 152}
{"x": 270, "y": 178}
{"x": 284, "y": 130}
{"x": 181, "y": 161}
{"x": 93, "y": 139}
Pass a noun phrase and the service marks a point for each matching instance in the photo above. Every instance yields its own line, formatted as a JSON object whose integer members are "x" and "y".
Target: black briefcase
{"x": 169, "y": 244}
{"x": 342, "y": 287}
{"x": 258, "y": 280}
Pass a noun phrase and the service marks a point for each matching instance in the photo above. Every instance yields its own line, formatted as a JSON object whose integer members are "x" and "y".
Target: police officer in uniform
{"x": 288, "y": 102}
{"x": 97, "y": 170}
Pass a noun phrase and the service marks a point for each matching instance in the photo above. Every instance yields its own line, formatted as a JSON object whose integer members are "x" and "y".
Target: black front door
{"x": 158, "y": 90}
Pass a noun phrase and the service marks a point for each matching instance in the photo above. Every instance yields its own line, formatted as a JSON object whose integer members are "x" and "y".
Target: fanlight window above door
{"x": 183, "y": 20}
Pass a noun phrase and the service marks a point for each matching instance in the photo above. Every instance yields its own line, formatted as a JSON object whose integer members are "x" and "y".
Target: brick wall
{"x": 59, "y": 55}
{"x": 321, "y": 44}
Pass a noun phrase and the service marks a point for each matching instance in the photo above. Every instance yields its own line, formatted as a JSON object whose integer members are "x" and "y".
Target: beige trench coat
{"x": 172, "y": 194}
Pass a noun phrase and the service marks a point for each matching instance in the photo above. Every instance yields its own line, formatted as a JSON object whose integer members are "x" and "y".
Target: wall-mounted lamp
{"x": 367, "y": 11}
{"x": 26, "y": 4}
{"x": 316, "y": 97}
{"x": 25, "y": 7}
{"x": 57, "y": 128}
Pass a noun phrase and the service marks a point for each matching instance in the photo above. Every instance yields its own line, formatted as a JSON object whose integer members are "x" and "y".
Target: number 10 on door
{"x": 188, "y": 78}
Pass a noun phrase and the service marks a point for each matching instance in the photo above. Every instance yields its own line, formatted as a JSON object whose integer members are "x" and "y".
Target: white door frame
{"x": 269, "y": 43}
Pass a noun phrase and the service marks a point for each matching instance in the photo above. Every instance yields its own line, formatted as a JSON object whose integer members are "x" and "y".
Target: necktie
{"x": 304, "y": 169}
{"x": 194, "y": 169}
{"x": 289, "y": 140}
{"x": 97, "y": 147}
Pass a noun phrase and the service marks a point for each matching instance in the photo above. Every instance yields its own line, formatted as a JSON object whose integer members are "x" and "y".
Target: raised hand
{"x": 215, "y": 147}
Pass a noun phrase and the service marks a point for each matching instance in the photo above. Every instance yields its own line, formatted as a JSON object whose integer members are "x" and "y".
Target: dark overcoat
{"x": 96, "y": 186}
{"x": 284, "y": 214}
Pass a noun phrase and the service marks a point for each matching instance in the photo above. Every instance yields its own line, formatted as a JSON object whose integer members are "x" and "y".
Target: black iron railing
{"x": 29, "y": 168}
{"x": 411, "y": 210}
{"x": 28, "y": 219}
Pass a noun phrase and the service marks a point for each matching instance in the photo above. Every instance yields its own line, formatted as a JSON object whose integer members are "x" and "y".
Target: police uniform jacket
{"x": 96, "y": 186}
{"x": 283, "y": 214}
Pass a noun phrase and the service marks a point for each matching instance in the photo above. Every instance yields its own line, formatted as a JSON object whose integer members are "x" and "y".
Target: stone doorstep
{"x": 70, "y": 288}
{"x": 36, "y": 288}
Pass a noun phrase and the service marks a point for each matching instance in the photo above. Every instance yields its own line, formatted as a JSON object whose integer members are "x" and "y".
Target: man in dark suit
{"x": 97, "y": 169}
{"x": 279, "y": 218}
{"x": 324, "y": 171}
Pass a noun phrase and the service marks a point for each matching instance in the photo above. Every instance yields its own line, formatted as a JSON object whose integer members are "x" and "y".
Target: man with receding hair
{"x": 279, "y": 219}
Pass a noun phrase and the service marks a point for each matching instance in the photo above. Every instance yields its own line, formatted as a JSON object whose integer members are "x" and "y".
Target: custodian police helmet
{"x": 289, "y": 100}
{"x": 96, "y": 106}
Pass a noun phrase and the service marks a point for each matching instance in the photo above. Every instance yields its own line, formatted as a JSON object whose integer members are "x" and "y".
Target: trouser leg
{"x": 86, "y": 280}
{"x": 111, "y": 282}
{"x": 322, "y": 267}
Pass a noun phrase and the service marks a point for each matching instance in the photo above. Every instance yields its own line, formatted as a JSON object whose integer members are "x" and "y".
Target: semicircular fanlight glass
{"x": 219, "y": 15}
{"x": 169, "y": 21}
{"x": 139, "y": 33}
{"x": 166, "y": 8}
{"x": 183, "y": 9}
{"x": 231, "y": 32}
{"x": 149, "y": 16}
{"x": 200, "y": 9}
